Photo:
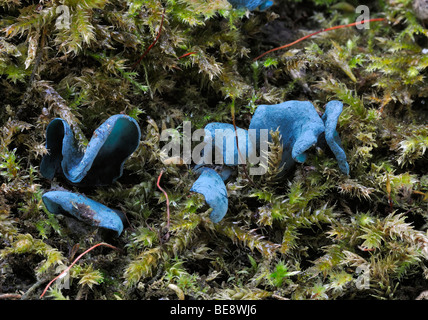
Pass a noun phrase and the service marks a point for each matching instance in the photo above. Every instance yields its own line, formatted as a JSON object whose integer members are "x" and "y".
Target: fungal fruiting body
{"x": 211, "y": 186}
{"x": 102, "y": 161}
{"x": 333, "y": 109}
{"x": 84, "y": 209}
{"x": 251, "y": 4}
{"x": 300, "y": 128}
{"x": 221, "y": 136}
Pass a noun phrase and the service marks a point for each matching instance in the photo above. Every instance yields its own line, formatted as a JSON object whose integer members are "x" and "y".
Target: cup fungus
{"x": 211, "y": 186}
{"x": 300, "y": 128}
{"x": 84, "y": 209}
{"x": 102, "y": 162}
{"x": 251, "y": 4}
{"x": 222, "y": 138}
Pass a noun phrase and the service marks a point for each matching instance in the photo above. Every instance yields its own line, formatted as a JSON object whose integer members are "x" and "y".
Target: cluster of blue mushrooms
{"x": 300, "y": 128}
{"x": 113, "y": 142}
{"x": 298, "y": 122}
{"x": 100, "y": 164}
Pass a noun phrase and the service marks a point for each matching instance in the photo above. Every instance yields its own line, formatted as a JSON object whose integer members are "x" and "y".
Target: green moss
{"x": 307, "y": 236}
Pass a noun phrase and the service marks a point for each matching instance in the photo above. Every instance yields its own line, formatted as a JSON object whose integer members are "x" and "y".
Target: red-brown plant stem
{"x": 388, "y": 190}
{"x": 186, "y": 54}
{"x": 167, "y": 200}
{"x": 74, "y": 262}
{"x": 317, "y": 32}
{"x": 153, "y": 43}
{"x": 10, "y": 296}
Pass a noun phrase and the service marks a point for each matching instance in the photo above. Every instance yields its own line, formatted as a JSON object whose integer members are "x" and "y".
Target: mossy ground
{"x": 312, "y": 235}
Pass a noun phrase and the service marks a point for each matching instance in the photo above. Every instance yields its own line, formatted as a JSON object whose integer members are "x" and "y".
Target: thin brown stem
{"x": 317, "y": 32}
{"x": 186, "y": 54}
{"x": 74, "y": 262}
{"x": 10, "y": 296}
{"x": 153, "y": 43}
{"x": 167, "y": 200}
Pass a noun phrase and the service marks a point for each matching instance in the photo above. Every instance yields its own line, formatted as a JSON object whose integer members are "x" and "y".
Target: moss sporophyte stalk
{"x": 239, "y": 150}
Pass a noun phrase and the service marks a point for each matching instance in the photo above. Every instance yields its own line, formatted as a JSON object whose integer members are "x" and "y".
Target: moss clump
{"x": 316, "y": 234}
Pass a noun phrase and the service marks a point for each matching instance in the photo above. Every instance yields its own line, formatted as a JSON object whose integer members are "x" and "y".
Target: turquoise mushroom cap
{"x": 251, "y": 4}
{"x": 223, "y": 140}
{"x": 211, "y": 186}
{"x": 102, "y": 161}
{"x": 83, "y": 208}
{"x": 300, "y": 126}
{"x": 333, "y": 109}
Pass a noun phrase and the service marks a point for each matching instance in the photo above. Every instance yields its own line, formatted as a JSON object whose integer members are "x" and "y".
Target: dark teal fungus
{"x": 225, "y": 173}
{"x": 333, "y": 109}
{"x": 84, "y": 209}
{"x": 229, "y": 149}
{"x": 251, "y": 4}
{"x": 300, "y": 128}
{"x": 102, "y": 161}
{"x": 211, "y": 186}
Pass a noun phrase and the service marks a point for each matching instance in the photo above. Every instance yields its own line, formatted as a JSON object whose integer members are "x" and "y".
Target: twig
{"x": 73, "y": 251}
{"x": 10, "y": 296}
{"x": 319, "y": 31}
{"x": 167, "y": 200}
{"x": 28, "y": 293}
{"x": 153, "y": 43}
{"x": 62, "y": 274}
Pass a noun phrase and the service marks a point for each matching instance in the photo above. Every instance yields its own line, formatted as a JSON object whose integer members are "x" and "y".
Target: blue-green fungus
{"x": 222, "y": 138}
{"x": 300, "y": 128}
{"x": 102, "y": 161}
{"x": 84, "y": 209}
{"x": 211, "y": 186}
{"x": 333, "y": 109}
{"x": 251, "y": 4}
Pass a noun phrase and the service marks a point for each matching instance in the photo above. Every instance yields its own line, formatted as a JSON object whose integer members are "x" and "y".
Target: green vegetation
{"x": 306, "y": 236}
